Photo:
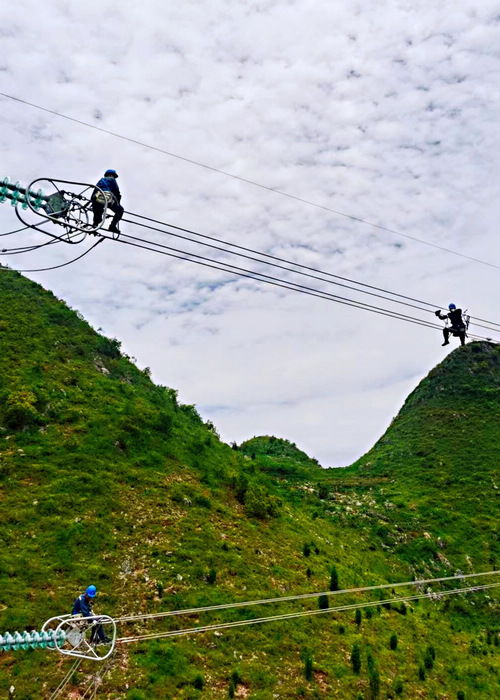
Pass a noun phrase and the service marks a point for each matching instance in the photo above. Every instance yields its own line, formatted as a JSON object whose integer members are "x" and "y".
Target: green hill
{"x": 105, "y": 478}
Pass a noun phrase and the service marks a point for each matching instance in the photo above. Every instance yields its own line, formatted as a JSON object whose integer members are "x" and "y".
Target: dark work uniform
{"x": 107, "y": 184}
{"x": 457, "y": 326}
{"x": 83, "y": 606}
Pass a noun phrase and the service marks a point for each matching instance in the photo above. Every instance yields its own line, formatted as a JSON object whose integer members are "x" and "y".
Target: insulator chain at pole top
{"x": 45, "y": 639}
{"x": 19, "y": 195}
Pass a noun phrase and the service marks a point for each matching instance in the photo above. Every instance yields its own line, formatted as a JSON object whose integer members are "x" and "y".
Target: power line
{"x": 274, "y": 281}
{"x": 248, "y": 181}
{"x": 301, "y": 596}
{"x": 69, "y": 262}
{"x": 290, "y": 262}
{"x": 17, "y": 230}
{"x": 290, "y": 616}
{"x": 26, "y": 249}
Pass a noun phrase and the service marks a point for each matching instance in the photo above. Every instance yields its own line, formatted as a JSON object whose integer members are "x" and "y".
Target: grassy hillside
{"x": 105, "y": 478}
{"x": 437, "y": 466}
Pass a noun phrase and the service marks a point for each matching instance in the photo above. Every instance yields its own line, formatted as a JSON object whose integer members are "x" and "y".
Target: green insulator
{"x": 8, "y": 641}
{"x": 38, "y": 200}
{"x": 4, "y": 189}
{"x": 26, "y": 640}
{"x": 16, "y": 194}
{"x": 51, "y": 635}
{"x": 18, "y": 641}
{"x": 35, "y": 640}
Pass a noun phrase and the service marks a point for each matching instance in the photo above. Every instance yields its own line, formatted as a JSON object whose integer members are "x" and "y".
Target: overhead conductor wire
{"x": 289, "y": 616}
{"x": 248, "y": 181}
{"x": 302, "y": 596}
{"x": 288, "y": 262}
{"x": 268, "y": 279}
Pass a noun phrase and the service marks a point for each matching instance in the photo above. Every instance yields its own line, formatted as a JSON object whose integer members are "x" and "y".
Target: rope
{"x": 302, "y": 596}
{"x": 289, "y": 616}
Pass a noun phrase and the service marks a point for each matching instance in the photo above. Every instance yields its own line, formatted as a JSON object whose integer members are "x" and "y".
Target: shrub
{"x": 322, "y": 491}
{"x": 421, "y": 672}
{"x": 306, "y": 551}
{"x": 393, "y": 642}
{"x": 460, "y": 695}
{"x": 198, "y": 682}
{"x": 20, "y": 409}
{"x": 356, "y": 658}
{"x": 334, "y": 579}
{"x": 110, "y": 347}
{"x": 259, "y": 504}
{"x": 357, "y": 617}
{"x": 398, "y": 687}
{"x": 212, "y": 575}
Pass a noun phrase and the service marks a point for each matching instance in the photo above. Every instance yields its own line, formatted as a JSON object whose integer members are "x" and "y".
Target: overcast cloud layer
{"x": 384, "y": 110}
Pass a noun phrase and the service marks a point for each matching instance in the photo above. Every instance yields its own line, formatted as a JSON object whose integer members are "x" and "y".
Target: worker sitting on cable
{"x": 457, "y": 328}
{"x": 83, "y": 606}
{"x": 109, "y": 198}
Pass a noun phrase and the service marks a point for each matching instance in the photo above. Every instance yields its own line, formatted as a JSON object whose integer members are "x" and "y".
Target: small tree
{"x": 306, "y": 551}
{"x": 460, "y": 695}
{"x": 373, "y": 676}
{"x": 357, "y": 617}
{"x": 393, "y": 642}
{"x": 334, "y": 579}
{"x": 323, "y": 602}
{"x": 429, "y": 657}
{"x": 308, "y": 667}
{"x": 421, "y": 672}
{"x": 212, "y": 575}
{"x": 356, "y": 658}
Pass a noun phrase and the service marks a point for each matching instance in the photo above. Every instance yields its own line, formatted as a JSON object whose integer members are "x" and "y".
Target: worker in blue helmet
{"x": 457, "y": 328}
{"x": 108, "y": 196}
{"x": 83, "y": 607}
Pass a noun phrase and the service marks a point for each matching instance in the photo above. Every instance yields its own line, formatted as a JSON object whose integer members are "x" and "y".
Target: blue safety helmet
{"x": 91, "y": 591}
{"x": 451, "y": 307}
{"x": 110, "y": 173}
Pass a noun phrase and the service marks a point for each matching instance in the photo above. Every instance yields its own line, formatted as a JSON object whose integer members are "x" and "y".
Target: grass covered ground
{"x": 105, "y": 478}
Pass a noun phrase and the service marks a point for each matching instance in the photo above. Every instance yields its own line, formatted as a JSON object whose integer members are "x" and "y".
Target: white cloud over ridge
{"x": 383, "y": 110}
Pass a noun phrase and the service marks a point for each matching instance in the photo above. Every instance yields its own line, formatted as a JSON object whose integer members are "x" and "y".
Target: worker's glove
{"x": 437, "y": 313}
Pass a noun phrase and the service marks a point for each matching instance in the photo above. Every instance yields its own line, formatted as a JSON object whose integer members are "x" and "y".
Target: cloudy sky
{"x": 386, "y": 111}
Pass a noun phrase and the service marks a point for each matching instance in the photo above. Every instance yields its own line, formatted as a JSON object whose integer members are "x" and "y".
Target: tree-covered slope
{"x": 105, "y": 478}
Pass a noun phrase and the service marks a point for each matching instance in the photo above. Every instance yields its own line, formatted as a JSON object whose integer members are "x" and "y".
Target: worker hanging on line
{"x": 109, "y": 198}
{"x": 458, "y": 327}
{"x": 83, "y": 606}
